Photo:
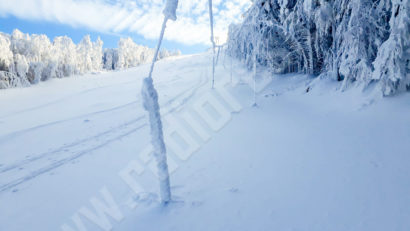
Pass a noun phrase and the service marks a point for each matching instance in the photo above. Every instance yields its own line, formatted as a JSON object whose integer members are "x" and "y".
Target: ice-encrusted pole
{"x": 254, "y": 76}
{"x": 211, "y": 18}
{"x": 231, "y": 68}
{"x": 150, "y": 101}
{"x": 256, "y": 46}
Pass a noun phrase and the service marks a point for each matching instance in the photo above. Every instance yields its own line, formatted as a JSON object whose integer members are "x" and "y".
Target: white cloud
{"x": 143, "y": 17}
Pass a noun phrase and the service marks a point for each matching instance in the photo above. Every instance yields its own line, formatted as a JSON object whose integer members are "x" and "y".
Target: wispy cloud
{"x": 143, "y": 17}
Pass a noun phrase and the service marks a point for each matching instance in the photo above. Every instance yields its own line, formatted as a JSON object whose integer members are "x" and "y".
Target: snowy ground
{"x": 317, "y": 160}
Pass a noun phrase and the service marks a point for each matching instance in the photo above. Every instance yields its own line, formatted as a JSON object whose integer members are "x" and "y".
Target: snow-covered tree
{"x": 27, "y": 59}
{"x": 110, "y": 58}
{"x": 6, "y": 55}
{"x": 21, "y": 65}
{"x": 66, "y": 53}
{"x": 392, "y": 65}
{"x": 131, "y": 54}
{"x": 163, "y": 54}
{"x": 84, "y": 52}
{"x": 357, "y": 42}
{"x": 97, "y": 55}
{"x": 13, "y": 68}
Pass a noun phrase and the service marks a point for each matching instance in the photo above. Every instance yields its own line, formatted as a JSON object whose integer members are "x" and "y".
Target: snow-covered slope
{"x": 308, "y": 157}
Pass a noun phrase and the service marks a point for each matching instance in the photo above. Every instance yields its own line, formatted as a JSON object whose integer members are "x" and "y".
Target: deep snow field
{"x": 320, "y": 159}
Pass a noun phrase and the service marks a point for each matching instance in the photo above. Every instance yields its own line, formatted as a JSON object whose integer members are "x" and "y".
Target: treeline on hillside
{"x": 128, "y": 54}
{"x": 357, "y": 42}
{"x": 28, "y": 59}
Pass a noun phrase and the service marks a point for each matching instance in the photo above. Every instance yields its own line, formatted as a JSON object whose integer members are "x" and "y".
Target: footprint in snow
{"x": 366, "y": 104}
{"x": 196, "y": 204}
{"x": 145, "y": 198}
{"x": 375, "y": 164}
{"x": 86, "y": 121}
{"x": 233, "y": 190}
{"x": 272, "y": 95}
{"x": 177, "y": 186}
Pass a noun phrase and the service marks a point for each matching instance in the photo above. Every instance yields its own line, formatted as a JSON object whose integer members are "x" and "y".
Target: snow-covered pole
{"x": 256, "y": 39}
{"x": 254, "y": 77}
{"x": 231, "y": 68}
{"x": 151, "y": 105}
{"x": 158, "y": 47}
{"x": 211, "y": 18}
{"x": 334, "y": 45}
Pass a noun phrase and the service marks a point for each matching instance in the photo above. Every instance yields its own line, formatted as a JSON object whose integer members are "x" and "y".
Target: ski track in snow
{"x": 62, "y": 99}
{"x": 32, "y": 167}
{"x": 321, "y": 155}
{"x": 24, "y": 131}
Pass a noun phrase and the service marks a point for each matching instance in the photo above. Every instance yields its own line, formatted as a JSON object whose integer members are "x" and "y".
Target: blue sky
{"x": 112, "y": 19}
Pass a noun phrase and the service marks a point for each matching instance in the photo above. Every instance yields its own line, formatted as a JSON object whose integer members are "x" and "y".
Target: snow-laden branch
{"x": 355, "y": 42}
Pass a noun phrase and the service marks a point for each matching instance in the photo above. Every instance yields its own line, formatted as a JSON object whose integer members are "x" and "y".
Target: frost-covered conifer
{"x": 27, "y": 59}
{"x": 392, "y": 65}
{"x": 6, "y": 56}
{"x": 356, "y": 42}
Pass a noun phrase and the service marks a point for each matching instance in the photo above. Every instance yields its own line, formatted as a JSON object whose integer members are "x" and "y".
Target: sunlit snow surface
{"x": 317, "y": 160}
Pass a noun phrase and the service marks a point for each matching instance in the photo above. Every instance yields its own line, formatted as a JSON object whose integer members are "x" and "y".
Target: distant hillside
{"x": 28, "y": 59}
